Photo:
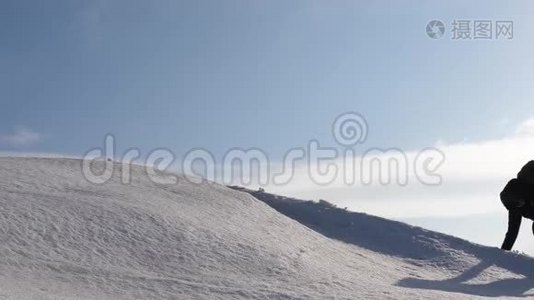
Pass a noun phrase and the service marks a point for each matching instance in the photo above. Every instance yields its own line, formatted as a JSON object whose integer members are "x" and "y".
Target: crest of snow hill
{"x": 64, "y": 238}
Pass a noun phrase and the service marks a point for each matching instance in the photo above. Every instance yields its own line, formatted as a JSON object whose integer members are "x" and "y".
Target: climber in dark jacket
{"x": 518, "y": 197}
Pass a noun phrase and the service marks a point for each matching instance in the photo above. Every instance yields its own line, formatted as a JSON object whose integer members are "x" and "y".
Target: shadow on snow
{"x": 413, "y": 244}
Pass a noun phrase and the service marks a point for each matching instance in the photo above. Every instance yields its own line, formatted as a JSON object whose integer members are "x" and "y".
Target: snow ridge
{"x": 64, "y": 238}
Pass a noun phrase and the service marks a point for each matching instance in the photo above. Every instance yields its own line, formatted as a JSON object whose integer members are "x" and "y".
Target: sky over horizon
{"x": 274, "y": 75}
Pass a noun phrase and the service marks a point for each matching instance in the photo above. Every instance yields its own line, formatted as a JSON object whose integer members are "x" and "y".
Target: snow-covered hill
{"x": 62, "y": 237}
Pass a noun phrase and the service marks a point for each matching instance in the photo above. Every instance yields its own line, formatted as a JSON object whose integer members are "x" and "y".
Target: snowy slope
{"x": 62, "y": 237}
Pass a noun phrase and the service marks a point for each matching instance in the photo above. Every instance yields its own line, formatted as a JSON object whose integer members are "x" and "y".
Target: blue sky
{"x": 183, "y": 74}
{"x": 267, "y": 74}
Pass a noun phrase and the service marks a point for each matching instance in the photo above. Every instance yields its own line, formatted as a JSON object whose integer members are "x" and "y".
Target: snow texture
{"x": 62, "y": 237}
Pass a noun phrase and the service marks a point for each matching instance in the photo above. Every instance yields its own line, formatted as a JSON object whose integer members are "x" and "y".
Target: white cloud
{"x": 526, "y": 128}
{"x": 473, "y": 174}
{"x": 21, "y": 137}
